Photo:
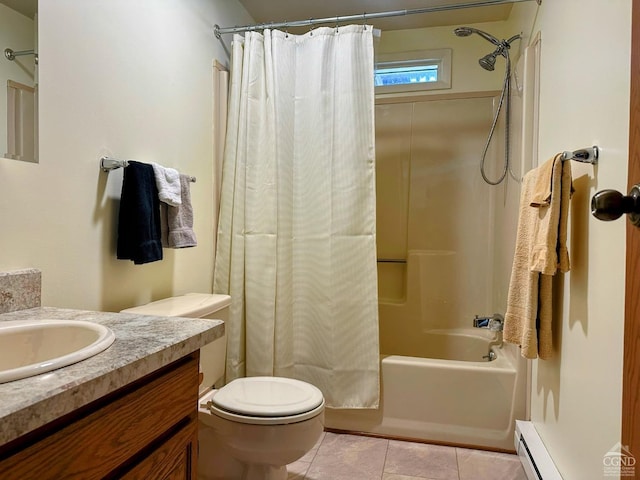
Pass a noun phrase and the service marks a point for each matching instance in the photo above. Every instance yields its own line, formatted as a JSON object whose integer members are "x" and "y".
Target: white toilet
{"x": 251, "y": 428}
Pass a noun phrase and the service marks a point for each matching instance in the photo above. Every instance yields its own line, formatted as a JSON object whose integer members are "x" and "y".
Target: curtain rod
{"x": 218, "y": 31}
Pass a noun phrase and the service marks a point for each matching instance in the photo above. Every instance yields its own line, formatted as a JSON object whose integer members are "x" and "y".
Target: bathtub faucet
{"x": 494, "y": 323}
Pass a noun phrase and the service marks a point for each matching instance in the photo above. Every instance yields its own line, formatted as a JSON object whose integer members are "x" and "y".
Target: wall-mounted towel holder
{"x": 107, "y": 164}
{"x": 584, "y": 155}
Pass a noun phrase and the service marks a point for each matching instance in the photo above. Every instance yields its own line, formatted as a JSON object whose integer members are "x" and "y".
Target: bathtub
{"x": 448, "y": 395}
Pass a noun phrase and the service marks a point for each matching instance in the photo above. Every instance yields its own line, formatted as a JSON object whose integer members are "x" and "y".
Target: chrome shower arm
{"x": 513, "y": 39}
{"x": 489, "y": 38}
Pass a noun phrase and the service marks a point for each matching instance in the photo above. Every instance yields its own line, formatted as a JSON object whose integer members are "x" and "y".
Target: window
{"x": 406, "y": 75}
{"x": 412, "y": 71}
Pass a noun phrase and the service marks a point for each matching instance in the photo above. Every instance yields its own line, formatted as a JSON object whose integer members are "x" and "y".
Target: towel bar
{"x": 107, "y": 164}
{"x": 584, "y": 155}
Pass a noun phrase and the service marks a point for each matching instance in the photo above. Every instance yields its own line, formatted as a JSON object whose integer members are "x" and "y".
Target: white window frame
{"x": 440, "y": 57}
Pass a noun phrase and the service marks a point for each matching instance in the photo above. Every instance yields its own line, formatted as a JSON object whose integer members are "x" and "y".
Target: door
{"x": 631, "y": 365}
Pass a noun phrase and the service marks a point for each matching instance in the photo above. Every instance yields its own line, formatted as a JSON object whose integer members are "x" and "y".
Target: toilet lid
{"x": 268, "y": 397}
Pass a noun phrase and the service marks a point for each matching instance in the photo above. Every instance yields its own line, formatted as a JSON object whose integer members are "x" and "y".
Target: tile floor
{"x": 353, "y": 457}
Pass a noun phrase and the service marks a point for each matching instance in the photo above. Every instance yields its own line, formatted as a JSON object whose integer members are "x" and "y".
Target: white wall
{"x": 576, "y": 398}
{"x": 131, "y": 80}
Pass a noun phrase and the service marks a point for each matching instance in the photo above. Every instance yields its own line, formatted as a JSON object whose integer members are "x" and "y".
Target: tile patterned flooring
{"x": 353, "y": 457}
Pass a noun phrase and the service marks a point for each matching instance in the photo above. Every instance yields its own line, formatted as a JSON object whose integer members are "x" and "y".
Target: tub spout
{"x": 494, "y": 322}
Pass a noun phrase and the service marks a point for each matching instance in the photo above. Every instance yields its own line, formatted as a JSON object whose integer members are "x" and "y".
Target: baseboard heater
{"x": 534, "y": 457}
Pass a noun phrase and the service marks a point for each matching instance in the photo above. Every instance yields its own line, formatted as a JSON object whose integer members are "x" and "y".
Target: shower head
{"x": 488, "y": 62}
{"x": 463, "y": 31}
{"x": 466, "y": 31}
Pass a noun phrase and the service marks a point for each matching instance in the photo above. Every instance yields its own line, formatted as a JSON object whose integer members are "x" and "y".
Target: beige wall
{"x": 585, "y": 101}
{"x": 131, "y": 80}
{"x": 467, "y": 76}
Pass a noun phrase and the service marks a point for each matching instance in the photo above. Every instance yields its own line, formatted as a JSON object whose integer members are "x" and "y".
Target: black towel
{"x": 139, "y": 216}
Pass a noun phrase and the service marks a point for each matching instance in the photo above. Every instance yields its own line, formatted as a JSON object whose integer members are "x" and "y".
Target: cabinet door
{"x": 175, "y": 459}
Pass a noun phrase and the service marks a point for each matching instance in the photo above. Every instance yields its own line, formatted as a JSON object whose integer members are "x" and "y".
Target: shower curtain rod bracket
{"x": 11, "y": 54}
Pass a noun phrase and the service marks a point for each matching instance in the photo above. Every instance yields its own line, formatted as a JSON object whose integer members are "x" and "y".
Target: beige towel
{"x": 551, "y": 195}
{"x": 541, "y": 194}
{"x": 545, "y": 317}
{"x": 540, "y": 251}
{"x": 522, "y": 301}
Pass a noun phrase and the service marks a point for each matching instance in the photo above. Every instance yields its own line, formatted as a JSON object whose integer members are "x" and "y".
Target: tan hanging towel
{"x": 541, "y": 251}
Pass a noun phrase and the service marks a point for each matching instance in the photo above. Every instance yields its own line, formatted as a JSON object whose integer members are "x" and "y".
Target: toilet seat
{"x": 265, "y": 401}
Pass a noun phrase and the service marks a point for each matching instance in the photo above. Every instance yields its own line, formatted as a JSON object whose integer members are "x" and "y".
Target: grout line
{"x": 384, "y": 464}
{"x": 304, "y": 476}
{"x": 324, "y": 436}
{"x": 457, "y": 463}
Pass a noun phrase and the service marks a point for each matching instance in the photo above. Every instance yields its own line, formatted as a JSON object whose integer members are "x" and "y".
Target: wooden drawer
{"x": 105, "y": 438}
{"x": 173, "y": 460}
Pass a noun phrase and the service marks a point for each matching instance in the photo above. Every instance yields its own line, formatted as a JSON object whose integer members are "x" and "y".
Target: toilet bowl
{"x": 251, "y": 428}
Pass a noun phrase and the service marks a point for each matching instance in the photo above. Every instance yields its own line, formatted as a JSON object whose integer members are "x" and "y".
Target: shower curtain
{"x": 296, "y": 243}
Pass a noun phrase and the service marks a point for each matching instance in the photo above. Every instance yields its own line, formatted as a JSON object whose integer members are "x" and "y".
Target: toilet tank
{"x": 197, "y": 305}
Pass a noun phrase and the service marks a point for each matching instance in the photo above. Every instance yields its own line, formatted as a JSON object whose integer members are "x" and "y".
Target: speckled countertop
{"x": 143, "y": 344}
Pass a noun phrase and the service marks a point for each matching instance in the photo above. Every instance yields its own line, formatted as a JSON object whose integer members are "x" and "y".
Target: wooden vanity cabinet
{"x": 145, "y": 430}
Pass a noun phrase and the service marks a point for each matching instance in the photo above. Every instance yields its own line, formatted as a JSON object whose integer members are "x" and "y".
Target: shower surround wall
{"x": 435, "y": 212}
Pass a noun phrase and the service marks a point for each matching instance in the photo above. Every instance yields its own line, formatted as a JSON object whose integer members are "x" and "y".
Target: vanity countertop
{"x": 143, "y": 344}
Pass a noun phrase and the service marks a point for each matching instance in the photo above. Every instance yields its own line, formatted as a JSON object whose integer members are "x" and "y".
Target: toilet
{"x": 251, "y": 428}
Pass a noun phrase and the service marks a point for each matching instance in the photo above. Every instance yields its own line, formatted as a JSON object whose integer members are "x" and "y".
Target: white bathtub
{"x": 450, "y": 396}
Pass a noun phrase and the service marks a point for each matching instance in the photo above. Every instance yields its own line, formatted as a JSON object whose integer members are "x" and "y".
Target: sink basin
{"x": 32, "y": 347}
